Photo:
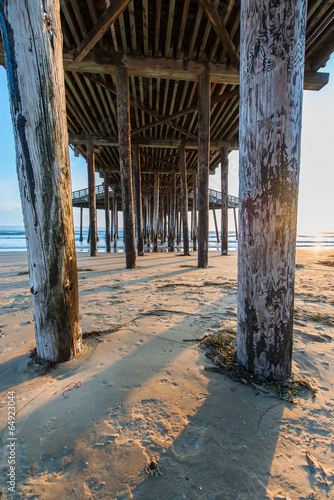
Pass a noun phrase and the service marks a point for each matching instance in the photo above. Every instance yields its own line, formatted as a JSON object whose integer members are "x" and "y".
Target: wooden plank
{"x": 103, "y": 24}
{"x": 224, "y": 202}
{"x": 175, "y": 69}
{"x": 268, "y": 185}
{"x": 182, "y": 28}
{"x": 203, "y": 168}
{"x": 217, "y": 23}
{"x": 184, "y": 199}
{"x": 35, "y": 77}
{"x": 123, "y": 115}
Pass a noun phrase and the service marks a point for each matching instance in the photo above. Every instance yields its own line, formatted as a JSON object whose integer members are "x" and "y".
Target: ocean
{"x": 13, "y": 239}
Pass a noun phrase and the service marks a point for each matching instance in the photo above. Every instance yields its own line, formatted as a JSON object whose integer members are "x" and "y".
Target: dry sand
{"x": 144, "y": 393}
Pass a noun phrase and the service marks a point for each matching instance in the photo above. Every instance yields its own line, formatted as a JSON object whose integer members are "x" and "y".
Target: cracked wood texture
{"x": 32, "y": 38}
{"x": 272, "y": 60}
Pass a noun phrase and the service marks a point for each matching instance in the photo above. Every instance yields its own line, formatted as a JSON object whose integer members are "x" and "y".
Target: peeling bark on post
{"x": 271, "y": 89}
{"x": 172, "y": 214}
{"x": 224, "y": 203}
{"x": 194, "y": 212}
{"x": 32, "y": 39}
{"x": 123, "y": 118}
{"x": 107, "y": 210}
{"x": 138, "y": 199}
{"x": 184, "y": 199}
{"x": 156, "y": 212}
{"x": 203, "y": 167}
{"x": 92, "y": 199}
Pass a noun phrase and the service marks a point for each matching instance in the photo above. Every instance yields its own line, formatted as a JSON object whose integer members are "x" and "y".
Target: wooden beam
{"x": 35, "y": 77}
{"x": 151, "y": 143}
{"x": 103, "y": 24}
{"x": 217, "y": 23}
{"x": 175, "y": 69}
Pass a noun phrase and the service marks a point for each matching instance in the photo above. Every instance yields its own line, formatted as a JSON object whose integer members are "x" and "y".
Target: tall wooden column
{"x": 123, "y": 118}
{"x": 194, "y": 212}
{"x": 92, "y": 199}
{"x": 215, "y": 221}
{"x": 203, "y": 167}
{"x": 148, "y": 235}
{"x": 33, "y": 53}
{"x": 81, "y": 214}
{"x": 184, "y": 199}
{"x": 156, "y": 212}
{"x": 224, "y": 204}
{"x": 138, "y": 198}
{"x": 271, "y": 90}
{"x": 107, "y": 210}
{"x": 115, "y": 217}
{"x": 171, "y": 221}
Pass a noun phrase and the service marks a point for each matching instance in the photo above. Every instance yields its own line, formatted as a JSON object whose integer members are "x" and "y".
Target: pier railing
{"x": 81, "y": 196}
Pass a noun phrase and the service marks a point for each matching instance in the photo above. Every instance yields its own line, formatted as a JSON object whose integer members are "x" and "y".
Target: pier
{"x": 154, "y": 95}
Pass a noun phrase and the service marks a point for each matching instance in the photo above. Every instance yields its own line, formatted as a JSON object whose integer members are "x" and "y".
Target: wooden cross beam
{"x": 191, "y": 109}
{"x": 103, "y": 24}
{"x": 141, "y": 106}
{"x": 151, "y": 143}
{"x": 175, "y": 69}
{"x": 217, "y": 24}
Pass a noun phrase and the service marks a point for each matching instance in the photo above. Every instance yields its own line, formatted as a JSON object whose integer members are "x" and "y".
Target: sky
{"x": 316, "y": 188}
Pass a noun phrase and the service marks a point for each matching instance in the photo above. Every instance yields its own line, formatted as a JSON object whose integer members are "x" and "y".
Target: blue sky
{"x": 316, "y": 198}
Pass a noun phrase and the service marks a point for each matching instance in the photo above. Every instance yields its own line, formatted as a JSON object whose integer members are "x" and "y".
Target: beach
{"x": 140, "y": 393}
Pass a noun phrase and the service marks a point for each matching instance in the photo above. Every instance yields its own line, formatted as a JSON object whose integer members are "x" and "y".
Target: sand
{"x": 138, "y": 392}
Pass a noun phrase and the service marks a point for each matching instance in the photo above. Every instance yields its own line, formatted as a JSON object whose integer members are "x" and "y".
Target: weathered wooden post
{"x": 115, "y": 217}
{"x": 204, "y": 91}
{"x": 91, "y": 199}
{"x": 224, "y": 202}
{"x": 138, "y": 198}
{"x": 171, "y": 219}
{"x": 194, "y": 212}
{"x": 156, "y": 212}
{"x": 32, "y": 40}
{"x": 107, "y": 210}
{"x": 235, "y": 223}
{"x": 148, "y": 236}
{"x": 271, "y": 89}
{"x": 215, "y": 221}
{"x": 81, "y": 210}
{"x": 123, "y": 118}
{"x": 184, "y": 199}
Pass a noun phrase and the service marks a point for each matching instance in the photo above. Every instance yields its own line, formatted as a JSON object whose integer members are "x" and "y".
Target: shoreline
{"x": 145, "y": 394}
